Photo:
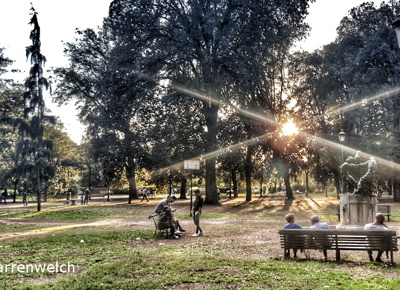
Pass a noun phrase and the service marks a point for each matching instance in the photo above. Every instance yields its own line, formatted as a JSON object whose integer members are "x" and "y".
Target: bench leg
{"x": 337, "y": 255}
{"x": 286, "y": 254}
{"x": 391, "y": 257}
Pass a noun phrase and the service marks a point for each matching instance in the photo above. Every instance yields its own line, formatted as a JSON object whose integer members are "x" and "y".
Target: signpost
{"x": 191, "y": 165}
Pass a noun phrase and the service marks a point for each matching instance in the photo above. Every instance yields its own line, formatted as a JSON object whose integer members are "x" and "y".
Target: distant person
{"x": 291, "y": 225}
{"x": 29, "y": 193}
{"x": 87, "y": 194}
{"x": 318, "y": 225}
{"x": 24, "y": 198}
{"x": 4, "y": 195}
{"x": 196, "y": 212}
{"x": 67, "y": 197}
{"x": 144, "y": 193}
{"x": 377, "y": 225}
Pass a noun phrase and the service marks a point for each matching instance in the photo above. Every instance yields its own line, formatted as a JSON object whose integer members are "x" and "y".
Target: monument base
{"x": 356, "y": 210}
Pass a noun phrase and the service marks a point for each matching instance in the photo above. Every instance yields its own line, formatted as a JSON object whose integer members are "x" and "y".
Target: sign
{"x": 192, "y": 164}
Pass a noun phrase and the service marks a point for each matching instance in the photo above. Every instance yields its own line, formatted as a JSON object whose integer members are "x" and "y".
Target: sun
{"x": 289, "y": 129}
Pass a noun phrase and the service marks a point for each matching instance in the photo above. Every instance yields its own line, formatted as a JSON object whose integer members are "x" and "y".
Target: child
{"x": 198, "y": 205}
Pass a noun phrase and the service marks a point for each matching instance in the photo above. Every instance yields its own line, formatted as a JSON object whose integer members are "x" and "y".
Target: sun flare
{"x": 289, "y": 129}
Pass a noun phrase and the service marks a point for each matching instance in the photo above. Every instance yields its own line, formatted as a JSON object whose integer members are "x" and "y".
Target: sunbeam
{"x": 364, "y": 101}
{"x": 350, "y": 151}
{"x": 243, "y": 112}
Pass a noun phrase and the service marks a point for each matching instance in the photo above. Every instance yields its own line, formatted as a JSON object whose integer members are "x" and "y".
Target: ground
{"x": 235, "y": 229}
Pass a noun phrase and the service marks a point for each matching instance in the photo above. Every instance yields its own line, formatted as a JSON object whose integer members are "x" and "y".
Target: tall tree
{"x": 34, "y": 111}
{"x": 203, "y": 46}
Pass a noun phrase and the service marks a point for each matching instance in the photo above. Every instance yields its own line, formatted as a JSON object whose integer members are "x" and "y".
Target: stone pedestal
{"x": 356, "y": 210}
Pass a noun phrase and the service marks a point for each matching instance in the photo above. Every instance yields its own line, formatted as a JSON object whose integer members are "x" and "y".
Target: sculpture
{"x": 353, "y": 169}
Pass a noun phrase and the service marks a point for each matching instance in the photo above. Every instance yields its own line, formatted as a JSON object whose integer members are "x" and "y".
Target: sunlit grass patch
{"x": 19, "y": 227}
{"x": 209, "y": 215}
{"x": 77, "y": 215}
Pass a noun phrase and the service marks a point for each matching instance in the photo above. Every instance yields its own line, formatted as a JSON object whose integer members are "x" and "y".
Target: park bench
{"x": 102, "y": 194}
{"x": 384, "y": 209}
{"x": 339, "y": 240}
{"x": 159, "y": 227}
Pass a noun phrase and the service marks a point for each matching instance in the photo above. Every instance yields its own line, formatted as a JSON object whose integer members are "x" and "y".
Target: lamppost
{"x": 342, "y": 138}
{"x": 396, "y": 26}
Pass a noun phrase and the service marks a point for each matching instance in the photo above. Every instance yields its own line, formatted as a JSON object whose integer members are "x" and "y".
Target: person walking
{"x": 196, "y": 212}
{"x": 25, "y": 198}
{"x": 4, "y": 195}
{"x": 87, "y": 193}
{"x": 145, "y": 191}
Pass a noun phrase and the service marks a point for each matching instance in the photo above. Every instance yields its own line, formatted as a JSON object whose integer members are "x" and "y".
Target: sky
{"x": 58, "y": 20}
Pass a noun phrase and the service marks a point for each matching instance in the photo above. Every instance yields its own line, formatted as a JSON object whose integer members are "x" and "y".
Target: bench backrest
{"x": 339, "y": 239}
{"x": 383, "y": 208}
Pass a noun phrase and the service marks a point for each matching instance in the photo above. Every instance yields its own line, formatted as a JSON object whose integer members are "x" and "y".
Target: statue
{"x": 353, "y": 169}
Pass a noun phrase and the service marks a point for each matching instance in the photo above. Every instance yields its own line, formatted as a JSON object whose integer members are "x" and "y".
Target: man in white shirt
{"x": 377, "y": 225}
{"x": 318, "y": 225}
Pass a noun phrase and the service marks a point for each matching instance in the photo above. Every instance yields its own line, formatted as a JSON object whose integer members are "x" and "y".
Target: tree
{"x": 202, "y": 47}
{"x": 39, "y": 170}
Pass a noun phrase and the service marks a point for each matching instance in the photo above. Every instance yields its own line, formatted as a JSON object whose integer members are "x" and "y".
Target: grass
{"x": 119, "y": 257}
{"x": 61, "y": 213}
{"x": 105, "y": 261}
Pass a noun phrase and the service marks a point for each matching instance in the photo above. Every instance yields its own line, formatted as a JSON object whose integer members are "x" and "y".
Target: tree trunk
{"x": 289, "y": 192}
{"x": 211, "y": 182}
{"x": 390, "y": 186}
{"x": 396, "y": 189}
{"x": 307, "y": 183}
{"x": 210, "y": 112}
{"x": 234, "y": 182}
{"x": 45, "y": 193}
{"x": 15, "y": 191}
{"x": 130, "y": 174}
{"x": 337, "y": 185}
{"x": 90, "y": 177}
{"x": 247, "y": 170}
{"x": 39, "y": 202}
{"x": 183, "y": 189}
{"x": 261, "y": 186}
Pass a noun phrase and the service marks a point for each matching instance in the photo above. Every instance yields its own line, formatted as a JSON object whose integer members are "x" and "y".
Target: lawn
{"x": 112, "y": 246}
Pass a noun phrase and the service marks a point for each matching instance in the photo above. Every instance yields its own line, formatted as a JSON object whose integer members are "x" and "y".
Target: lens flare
{"x": 289, "y": 129}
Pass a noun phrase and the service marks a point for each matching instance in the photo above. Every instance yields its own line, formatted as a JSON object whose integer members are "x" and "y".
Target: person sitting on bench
{"x": 165, "y": 211}
{"x": 377, "y": 225}
{"x": 318, "y": 225}
{"x": 291, "y": 225}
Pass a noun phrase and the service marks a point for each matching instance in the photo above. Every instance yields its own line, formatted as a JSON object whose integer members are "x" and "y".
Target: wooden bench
{"x": 102, "y": 194}
{"x": 384, "y": 209}
{"x": 159, "y": 228}
{"x": 339, "y": 240}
